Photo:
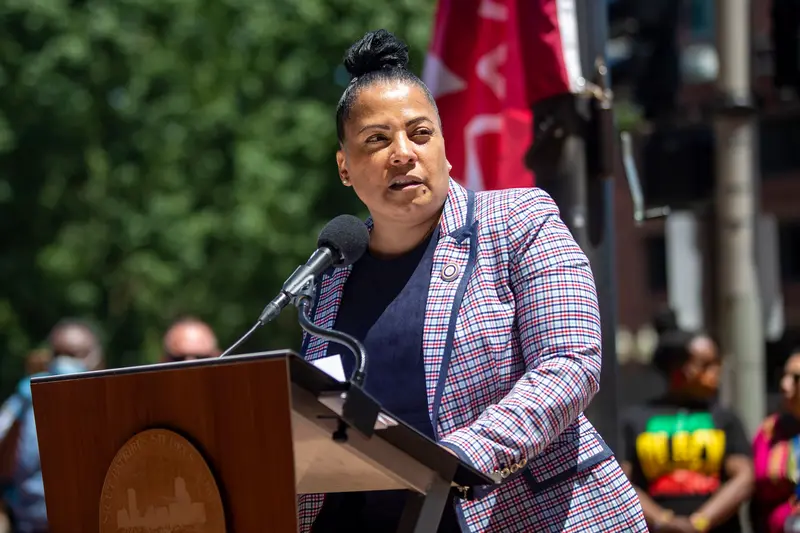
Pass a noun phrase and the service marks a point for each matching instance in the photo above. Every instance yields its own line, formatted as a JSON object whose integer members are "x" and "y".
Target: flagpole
{"x": 572, "y": 156}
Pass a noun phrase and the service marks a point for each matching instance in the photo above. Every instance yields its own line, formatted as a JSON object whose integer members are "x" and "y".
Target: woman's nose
{"x": 404, "y": 153}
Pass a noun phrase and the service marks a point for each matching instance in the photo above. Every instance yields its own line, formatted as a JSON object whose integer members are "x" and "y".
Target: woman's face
{"x": 790, "y": 384}
{"x": 393, "y": 154}
{"x": 702, "y": 370}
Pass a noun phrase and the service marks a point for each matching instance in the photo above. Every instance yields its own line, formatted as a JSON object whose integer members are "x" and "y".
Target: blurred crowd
{"x": 690, "y": 459}
{"x": 73, "y": 345}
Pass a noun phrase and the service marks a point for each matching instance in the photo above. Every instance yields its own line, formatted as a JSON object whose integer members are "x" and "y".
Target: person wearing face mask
{"x": 480, "y": 316}
{"x": 75, "y": 347}
{"x": 776, "y": 455}
{"x": 688, "y": 457}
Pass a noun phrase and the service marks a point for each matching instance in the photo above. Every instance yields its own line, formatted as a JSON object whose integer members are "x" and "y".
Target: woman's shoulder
{"x": 514, "y": 210}
{"x": 531, "y": 199}
{"x": 778, "y": 426}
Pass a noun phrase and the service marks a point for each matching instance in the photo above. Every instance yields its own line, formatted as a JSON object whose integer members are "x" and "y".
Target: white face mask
{"x": 64, "y": 364}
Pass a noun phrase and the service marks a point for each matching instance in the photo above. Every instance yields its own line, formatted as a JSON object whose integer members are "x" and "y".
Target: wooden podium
{"x": 241, "y": 436}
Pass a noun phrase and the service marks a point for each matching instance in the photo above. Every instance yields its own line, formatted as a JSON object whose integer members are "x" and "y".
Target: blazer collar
{"x": 456, "y": 213}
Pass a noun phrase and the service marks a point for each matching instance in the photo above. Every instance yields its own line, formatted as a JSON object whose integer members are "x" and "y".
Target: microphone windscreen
{"x": 346, "y": 235}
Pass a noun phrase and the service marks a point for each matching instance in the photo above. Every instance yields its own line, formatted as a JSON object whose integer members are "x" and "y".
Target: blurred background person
{"x": 776, "y": 458}
{"x": 688, "y": 457}
{"x": 76, "y": 348}
{"x": 643, "y": 382}
{"x": 37, "y": 361}
{"x": 189, "y": 338}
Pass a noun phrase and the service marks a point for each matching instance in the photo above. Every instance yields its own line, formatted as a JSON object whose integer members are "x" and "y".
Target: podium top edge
{"x": 157, "y": 367}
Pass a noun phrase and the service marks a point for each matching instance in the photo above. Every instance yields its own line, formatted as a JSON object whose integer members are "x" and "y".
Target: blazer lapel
{"x": 330, "y": 297}
{"x": 453, "y": 263}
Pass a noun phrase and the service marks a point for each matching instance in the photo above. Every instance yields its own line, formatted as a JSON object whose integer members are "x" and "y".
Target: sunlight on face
{"x": 397, "y": 92}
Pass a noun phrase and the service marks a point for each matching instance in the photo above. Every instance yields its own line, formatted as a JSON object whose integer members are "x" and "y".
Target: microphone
{"x": 341, "y": 243}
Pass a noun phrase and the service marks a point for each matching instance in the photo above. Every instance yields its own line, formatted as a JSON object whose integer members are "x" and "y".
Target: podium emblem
{"x": 159, "y": 482}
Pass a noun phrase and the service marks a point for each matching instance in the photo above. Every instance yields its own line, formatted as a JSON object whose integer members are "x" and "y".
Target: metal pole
{"x": 604, "y": 409}
{"x": 740, "y": 326}
{"x": 571, "y": 163}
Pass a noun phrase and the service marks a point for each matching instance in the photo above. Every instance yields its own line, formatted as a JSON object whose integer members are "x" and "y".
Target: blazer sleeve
{"x": 558, "y": 329}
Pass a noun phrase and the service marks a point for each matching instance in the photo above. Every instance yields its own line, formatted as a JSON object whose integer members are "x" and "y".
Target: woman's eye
{"x": 423, "y": 131}
{"x": 376, "y": 138}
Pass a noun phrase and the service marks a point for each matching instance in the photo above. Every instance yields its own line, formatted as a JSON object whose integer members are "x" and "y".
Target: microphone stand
{"x": 304, "y": 302}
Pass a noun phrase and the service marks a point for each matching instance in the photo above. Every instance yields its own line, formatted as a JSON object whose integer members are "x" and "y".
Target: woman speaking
{"x": 480, "y": 313}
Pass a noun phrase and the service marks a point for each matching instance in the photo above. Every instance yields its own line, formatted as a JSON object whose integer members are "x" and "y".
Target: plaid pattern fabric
{"x": 598, "y": 499}
{"x": 512, "y": 358}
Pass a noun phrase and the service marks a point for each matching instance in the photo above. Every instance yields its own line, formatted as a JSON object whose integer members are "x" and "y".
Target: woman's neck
{"x": 685, "y": 397}
{"x": 793, "y": 412}
{"x": 391, "y": 239}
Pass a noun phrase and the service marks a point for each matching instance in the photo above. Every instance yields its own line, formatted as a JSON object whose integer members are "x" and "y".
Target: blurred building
{"x": 678, "y": 170}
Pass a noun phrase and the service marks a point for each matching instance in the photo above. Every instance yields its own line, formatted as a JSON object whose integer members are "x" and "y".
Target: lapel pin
{"x": 450, "y": 272}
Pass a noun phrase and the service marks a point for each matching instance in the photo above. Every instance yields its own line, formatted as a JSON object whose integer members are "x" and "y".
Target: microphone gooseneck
{"x": 354, "y": 345}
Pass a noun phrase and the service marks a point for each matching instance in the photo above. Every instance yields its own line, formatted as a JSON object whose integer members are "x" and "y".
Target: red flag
{"x": 488, "y": 62}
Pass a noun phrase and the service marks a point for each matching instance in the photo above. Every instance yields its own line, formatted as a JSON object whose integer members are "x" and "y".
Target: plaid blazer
{"x": 511, "y": 349}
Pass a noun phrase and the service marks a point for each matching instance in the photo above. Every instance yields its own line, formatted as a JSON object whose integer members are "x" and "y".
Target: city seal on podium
{"x": 159, "y": 482}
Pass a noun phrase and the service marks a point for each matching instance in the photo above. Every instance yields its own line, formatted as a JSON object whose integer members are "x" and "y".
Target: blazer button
{"x": 514, "y": 468}
{"x": 450, "y": 272}
{"x": 522, "y": 463}
{"x": 504, "y": 473}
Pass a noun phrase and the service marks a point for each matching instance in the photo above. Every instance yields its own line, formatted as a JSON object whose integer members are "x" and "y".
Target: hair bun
{"x": 377, "y": 50}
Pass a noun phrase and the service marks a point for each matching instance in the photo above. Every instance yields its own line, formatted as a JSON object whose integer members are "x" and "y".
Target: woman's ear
{"x": 341, "y": 162}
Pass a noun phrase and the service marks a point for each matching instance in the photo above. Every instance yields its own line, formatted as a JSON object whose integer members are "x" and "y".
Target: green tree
{"x": 165, "y": 157}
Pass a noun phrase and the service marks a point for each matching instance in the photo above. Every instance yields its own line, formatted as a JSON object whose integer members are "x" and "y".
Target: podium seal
{"x": 159, "y": 482}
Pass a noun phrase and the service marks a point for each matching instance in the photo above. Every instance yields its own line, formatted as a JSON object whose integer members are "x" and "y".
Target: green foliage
{"x": 166, "y": 157}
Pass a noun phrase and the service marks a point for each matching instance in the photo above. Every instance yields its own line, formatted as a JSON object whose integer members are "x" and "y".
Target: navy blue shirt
{"x": 383, "y": 305}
